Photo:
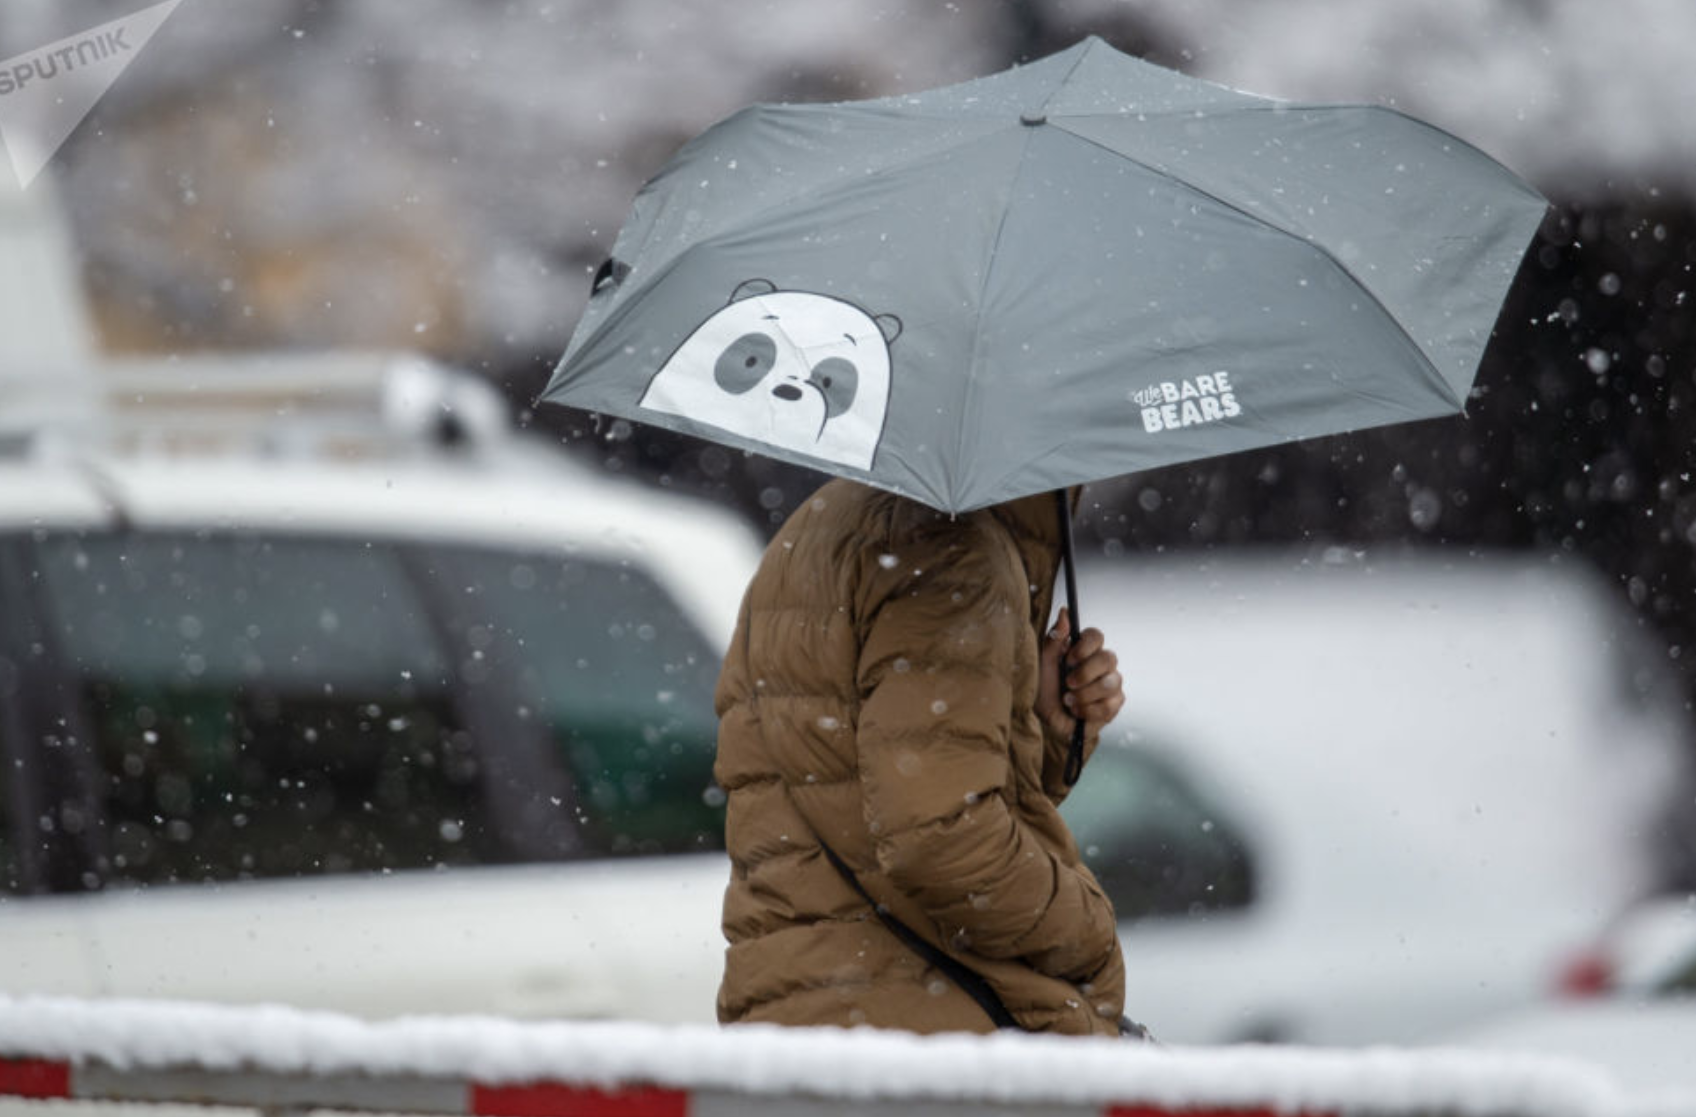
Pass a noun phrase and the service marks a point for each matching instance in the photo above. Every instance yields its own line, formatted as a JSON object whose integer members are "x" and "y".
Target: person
{"x": 892, "y": 742}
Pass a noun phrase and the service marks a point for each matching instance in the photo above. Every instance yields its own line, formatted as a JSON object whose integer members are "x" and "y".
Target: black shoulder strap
{"x": 961, "y": 974}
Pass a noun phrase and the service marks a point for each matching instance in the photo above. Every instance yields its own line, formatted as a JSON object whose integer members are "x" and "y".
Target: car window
{"x": 1682, "y": 983}
{"x": 262, "y": 707}
{"x": 1157, "y": 847}
{"x": 11, "y": 869}
{"x": 601, "y": 655}
{"x": 12, "y": 733}
{"x": 44, "y": 820}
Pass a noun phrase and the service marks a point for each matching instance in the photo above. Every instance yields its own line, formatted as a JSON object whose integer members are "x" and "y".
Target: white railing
{"x": 286, "y": 1061}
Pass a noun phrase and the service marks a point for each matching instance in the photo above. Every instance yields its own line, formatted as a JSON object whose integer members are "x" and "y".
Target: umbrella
{"x": 1077, "y": 268}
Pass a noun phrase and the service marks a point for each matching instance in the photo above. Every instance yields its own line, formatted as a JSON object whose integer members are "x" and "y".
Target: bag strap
{"x": 960, "y": 973}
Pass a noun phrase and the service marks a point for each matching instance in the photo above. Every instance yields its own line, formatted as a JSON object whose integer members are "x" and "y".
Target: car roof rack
{"x": 323, "y": 405}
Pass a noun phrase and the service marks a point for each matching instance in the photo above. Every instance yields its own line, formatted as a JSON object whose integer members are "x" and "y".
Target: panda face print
{"x": 752, "y": 357}
{"x": 792, "y": 369}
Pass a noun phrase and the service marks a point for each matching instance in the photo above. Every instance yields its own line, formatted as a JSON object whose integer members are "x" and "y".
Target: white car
{"x": 1644, "y": 951}
{"x": 1366, "y": 801}
{"x": 397, "y": 736}
{"x": 1628, "y": 1003}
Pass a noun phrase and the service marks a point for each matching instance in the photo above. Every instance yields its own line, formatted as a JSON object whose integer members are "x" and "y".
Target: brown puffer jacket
{"x": 878, "y": 694}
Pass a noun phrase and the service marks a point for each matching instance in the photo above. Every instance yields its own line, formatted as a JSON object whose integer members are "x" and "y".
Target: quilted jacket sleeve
{"x": 936, "y": 679}
{"x": 1056, "y": 750}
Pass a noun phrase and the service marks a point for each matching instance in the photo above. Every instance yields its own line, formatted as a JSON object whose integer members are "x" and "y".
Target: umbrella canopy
{"x": 1077, "y": 268}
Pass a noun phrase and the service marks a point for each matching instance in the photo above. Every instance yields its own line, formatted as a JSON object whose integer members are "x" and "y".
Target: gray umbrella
{"x": 1077, "y": 268}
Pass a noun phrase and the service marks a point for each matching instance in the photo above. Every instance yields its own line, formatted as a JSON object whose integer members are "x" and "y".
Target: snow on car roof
{"x": 32, "y": 497}
{"x": 705, "y": 553}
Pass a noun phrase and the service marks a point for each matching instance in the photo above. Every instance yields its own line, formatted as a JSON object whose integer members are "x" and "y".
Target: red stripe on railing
{"x": 35, "y": 1078}
{"x": 1183, "y": 1111}
{"x": 555, "y": 1099}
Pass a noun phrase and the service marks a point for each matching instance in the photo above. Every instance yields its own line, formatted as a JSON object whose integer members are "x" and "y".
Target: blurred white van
{"x": 1363, "y": 800}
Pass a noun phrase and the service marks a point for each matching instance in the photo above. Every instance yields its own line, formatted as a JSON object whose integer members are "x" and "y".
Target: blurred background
{"x": 293, "y": 180}
{"x": 444, "y": 175}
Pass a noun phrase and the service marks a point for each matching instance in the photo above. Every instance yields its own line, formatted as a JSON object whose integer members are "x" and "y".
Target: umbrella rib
{"x": 1261, "y": 104}
{"x": 1401, "y": 328}
{"x": 970, "y": 388}
{"x": 974, "y": 364}
{"x": 1066, "y": 78}
{"x": 813, "y": 191}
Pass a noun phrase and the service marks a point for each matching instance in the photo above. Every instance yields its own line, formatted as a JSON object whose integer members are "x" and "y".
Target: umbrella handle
{"x": 1074, "y": 754}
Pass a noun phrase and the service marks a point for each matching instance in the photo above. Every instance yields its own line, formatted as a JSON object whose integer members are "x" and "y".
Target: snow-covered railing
{"x": 281, "y": 1060}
